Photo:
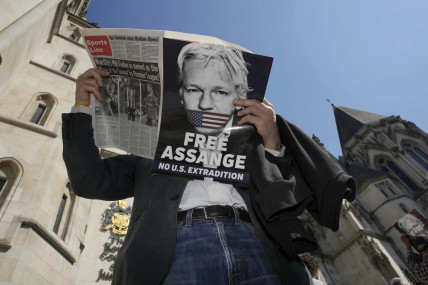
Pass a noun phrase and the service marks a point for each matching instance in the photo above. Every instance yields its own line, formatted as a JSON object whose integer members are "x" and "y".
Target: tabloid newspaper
{"x": 128, "y": 116}
{"x": 413, "y": 226}
{"x": 169, "y": 98}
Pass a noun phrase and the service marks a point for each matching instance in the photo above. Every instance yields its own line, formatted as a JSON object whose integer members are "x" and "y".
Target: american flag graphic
{"x": 207, "y": 119}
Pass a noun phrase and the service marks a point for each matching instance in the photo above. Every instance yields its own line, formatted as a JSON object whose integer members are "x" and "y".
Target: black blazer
{"x": 273, "y": 204}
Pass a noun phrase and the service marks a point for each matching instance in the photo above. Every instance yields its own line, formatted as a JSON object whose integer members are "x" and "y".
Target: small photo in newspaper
{"x": 414, "y": 226}
{"x": 199, "y": 137}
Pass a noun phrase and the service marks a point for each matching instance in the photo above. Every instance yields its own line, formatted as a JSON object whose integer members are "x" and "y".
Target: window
{"x": 2, "y": 183}
{"x": 417, "y": 154}
{"x": 40, "y": 109}
{"x": 421, "y": 153}
{"x": 59, "y": 214}
{"x": 65, "y": 63}
{"x": 388, "y": 166}
{"x": 385, "y": 188}
{"x": 384, "y": 193}
{"x": 38, "y": 114}
{"x": 10, "y": 173}
{"x": 64, "y": 215}
{"x": 65, "y": 66}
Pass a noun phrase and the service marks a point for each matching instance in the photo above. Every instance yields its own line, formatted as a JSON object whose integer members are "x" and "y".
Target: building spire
{"x": 349, "y": 121}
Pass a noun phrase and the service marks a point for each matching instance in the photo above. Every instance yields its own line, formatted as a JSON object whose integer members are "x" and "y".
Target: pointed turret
{"x": 349, "y": 121}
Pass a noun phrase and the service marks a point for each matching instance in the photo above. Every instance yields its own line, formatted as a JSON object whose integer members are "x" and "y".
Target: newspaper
{"x": 128, "y": 116}
{"x": 199, "y": 135}
{"x": 414, "y": 226}
{"x": 169, "y": 98}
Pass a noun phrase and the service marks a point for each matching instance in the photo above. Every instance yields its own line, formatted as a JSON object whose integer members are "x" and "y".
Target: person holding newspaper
{"x": 418, "y": 262}
{"x": 206, "y": 232}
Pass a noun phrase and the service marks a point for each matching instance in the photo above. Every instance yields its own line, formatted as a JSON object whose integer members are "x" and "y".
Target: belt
{"x": 214, "y": 212}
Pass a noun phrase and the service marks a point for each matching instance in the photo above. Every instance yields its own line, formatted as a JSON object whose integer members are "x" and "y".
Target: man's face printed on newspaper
{"x": 413, "y": 226}
{"x": 208, "y": 88}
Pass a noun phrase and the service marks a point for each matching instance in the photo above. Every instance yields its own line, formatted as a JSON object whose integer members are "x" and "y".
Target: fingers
{"x": 88, "y": 85}
{"x": 89, "y": 82}
{"x": 262, "y": 116}
{"x": 97, "y": 74}
{"x": 263, "y": 110}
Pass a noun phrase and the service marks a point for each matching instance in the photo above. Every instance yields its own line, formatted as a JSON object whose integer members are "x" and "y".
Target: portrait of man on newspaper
{"x": 202, "y": 136}
{"x": 413, "y": 225}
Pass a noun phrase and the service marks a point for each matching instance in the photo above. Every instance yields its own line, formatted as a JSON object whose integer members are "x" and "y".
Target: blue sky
{"x": 368, "y": 55}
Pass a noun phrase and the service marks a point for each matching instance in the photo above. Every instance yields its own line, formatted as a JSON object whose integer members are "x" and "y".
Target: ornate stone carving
{"x": 116, "y": 217}
{"x": 371, "y": 249}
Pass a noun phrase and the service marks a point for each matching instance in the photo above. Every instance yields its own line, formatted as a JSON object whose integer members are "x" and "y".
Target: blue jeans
{"x": 219, "y": 251}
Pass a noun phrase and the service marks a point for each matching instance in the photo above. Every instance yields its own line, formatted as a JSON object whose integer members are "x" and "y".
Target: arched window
{"x": 40, "y": 109}
{"x": 417, "y": 154}
{"x": 388, "y": 166}
{"x": 63, "y": 219}
{"x": 10, "y": 174}
{"x": 385, "y": 188}
{"x": 65, "y": 63}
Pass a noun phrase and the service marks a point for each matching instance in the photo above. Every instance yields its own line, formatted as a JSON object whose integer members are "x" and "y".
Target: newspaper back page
{"x": 128, "y": 116}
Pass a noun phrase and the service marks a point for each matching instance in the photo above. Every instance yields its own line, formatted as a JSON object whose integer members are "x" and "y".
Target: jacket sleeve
{"x": 306, "y": 178}
{"x": 90, "y": 176}
{"x": 321, "y": 183}
{"x": 274, "y": 201}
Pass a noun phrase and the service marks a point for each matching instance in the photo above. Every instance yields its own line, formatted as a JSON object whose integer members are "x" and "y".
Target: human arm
{"x": 417, "y": 263}
{"x": 91, "y": 176}
{"x": 406, "y": 243}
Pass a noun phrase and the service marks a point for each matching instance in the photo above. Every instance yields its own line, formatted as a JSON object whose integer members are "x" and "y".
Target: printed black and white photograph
{"x": 110, "y": 94}
{"x": 199, "y": 136}
{"x": 150, "y": 103}
{"x": 129, "y": 98}
{"x": 413, "y": 225}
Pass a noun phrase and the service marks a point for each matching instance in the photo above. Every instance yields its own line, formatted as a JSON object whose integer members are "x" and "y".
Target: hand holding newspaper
{"x": 169, "y": 98}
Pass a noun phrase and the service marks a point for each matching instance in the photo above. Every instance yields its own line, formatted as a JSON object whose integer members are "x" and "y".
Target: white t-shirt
{"x": 317, "y": 282}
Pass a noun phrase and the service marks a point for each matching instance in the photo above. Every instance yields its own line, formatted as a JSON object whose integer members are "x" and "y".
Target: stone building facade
{"x": 50, "y": 236}
{"x": 388, "y": 158}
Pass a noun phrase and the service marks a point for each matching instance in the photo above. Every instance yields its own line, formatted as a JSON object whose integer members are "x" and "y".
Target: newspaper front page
{"x": 199, "y": 136}
{"x": 128, "y": 116}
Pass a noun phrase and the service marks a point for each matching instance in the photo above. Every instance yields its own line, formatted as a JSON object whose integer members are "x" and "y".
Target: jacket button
{"x": 175, "y": 197}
